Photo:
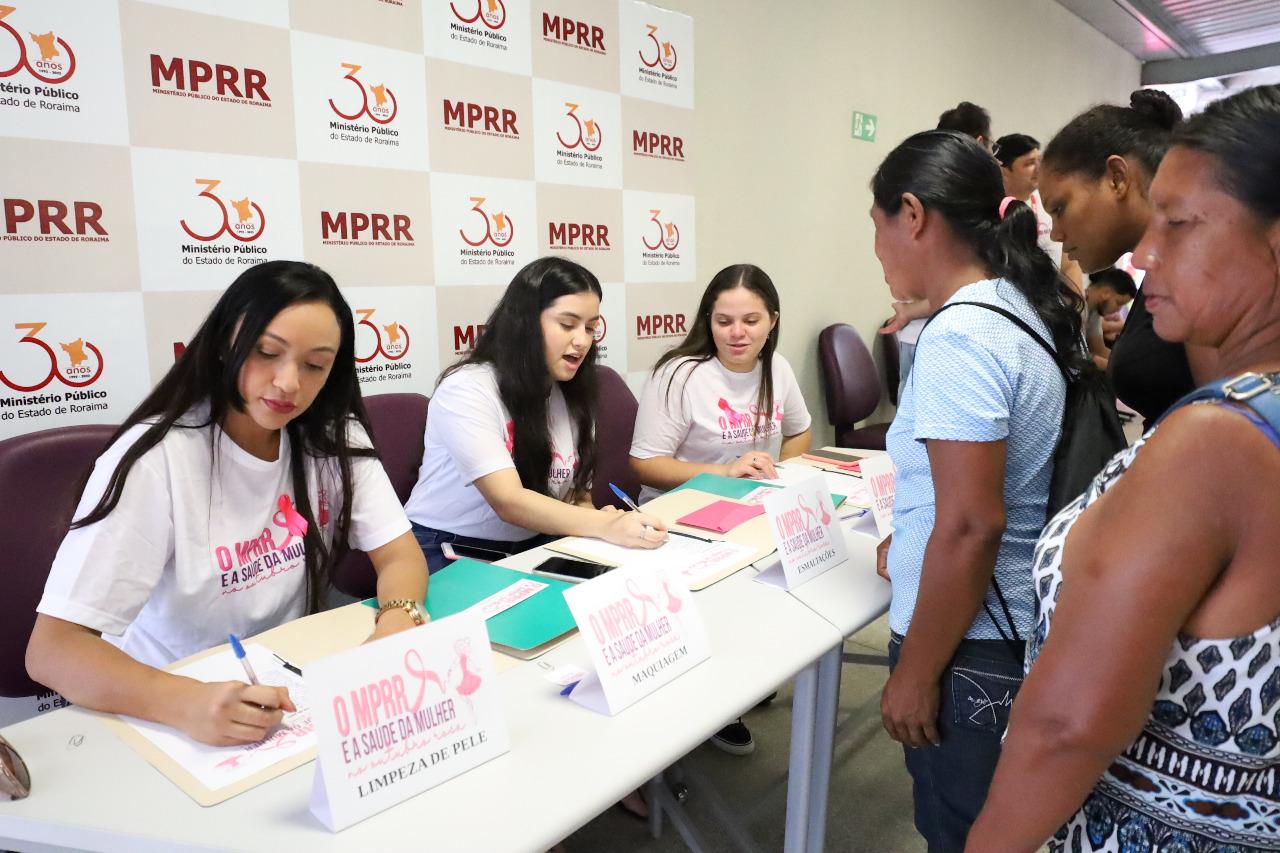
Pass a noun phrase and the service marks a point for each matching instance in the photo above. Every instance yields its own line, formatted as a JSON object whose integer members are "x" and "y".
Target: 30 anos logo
{"x": 586, "y": 134}
{"x": 664, "y": 52}
{"x": 597, "y": 336}
{"x": 249, "y": 222}
{"x": 384, "y": 107}
{"x": 394, "y": 346}
{"x": 56, "y": 63}
{"x": 668, "y": 234}
{"x": 498, "y": 231}
{"x": 80, "y": 370}
{"x": 491, "y": 13}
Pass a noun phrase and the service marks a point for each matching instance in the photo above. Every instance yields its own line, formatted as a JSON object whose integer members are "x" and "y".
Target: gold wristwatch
{"x": 407, "y": 605}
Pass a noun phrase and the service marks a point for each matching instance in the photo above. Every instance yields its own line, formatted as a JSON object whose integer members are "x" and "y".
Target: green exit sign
{"x": 864, "y": 126}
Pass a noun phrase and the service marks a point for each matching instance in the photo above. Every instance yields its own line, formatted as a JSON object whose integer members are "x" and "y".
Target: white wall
{"x": 780, "y": 181}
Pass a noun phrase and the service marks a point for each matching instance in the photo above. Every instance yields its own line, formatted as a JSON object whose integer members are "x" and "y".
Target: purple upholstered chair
{"x": 615, "y": 422}
{"x": 852, "y": 386}
{"x": 399, "y": 422}
{"x": 39, "y": 473}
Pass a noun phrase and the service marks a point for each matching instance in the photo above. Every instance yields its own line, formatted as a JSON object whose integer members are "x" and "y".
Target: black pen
{"x": 287, "y": 665}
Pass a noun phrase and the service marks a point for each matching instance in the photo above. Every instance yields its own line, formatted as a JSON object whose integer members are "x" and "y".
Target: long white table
{"x": 566, "y": 764}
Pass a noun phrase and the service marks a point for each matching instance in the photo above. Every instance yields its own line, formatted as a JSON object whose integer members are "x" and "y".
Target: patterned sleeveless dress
{"x": 1204, "y": 775}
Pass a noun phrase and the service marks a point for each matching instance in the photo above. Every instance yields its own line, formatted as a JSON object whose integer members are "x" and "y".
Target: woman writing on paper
{"x": 723, "y": 401}
{"x": 973, "y": 442}
{"x": 220, "y": 506}
{"x": 509, "y": 450}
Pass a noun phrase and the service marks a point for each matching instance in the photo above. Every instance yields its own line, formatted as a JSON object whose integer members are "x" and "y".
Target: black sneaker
{"x": 735, "y": 739}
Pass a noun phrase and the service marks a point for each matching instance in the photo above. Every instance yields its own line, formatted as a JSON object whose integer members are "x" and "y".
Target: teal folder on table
{"x": 734, "y": 487}
{"x": 540, "y": 618}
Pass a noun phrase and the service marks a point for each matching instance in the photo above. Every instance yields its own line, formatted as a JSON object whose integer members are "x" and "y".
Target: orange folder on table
{"x": 721, "y": 516}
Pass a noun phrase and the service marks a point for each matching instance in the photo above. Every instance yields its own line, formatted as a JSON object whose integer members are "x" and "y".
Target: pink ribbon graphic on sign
{"x": 290, "y": 520}
{"x": 645, "y": 600}
{"x": 810, "y": 515}
{"x": 414, "y": 666}
{"x": 470, "y": 682}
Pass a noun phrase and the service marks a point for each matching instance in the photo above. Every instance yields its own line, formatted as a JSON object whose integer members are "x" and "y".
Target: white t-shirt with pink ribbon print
{"x": 470, "y": 435}
{"x": 709, "y": 414}
{"x": 205, "y": 541}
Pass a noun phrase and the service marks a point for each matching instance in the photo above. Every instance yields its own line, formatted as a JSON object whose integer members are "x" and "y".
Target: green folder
{"x": 538, "y": 619}
{"x": 734, "y": 487}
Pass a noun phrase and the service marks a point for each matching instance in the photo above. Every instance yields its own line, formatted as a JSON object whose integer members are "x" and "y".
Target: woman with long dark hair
{"x": 220, "y": 506}
{"x": 510, "y": 446}
{"x": 1148, "y": 718}
{"x": 723, "y": 401}
{"x": 1095, "y": 182}
{"x": 973, "y": 442}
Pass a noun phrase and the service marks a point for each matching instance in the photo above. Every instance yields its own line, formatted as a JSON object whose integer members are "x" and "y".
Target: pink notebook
{"x": 721, "y": 516}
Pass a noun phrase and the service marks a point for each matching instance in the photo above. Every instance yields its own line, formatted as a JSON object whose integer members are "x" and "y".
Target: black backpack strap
{"x": 1016, "y": 320}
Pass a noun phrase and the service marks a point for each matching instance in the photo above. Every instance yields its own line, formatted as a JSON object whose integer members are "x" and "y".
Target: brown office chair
{"x": 399, "y": 423}
{"x": 852, "y": 387}
{"x": 39, "y": 472}
{"x": 615, "y": 423}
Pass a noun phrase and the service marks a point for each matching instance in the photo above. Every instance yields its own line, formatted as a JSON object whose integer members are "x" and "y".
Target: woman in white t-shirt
{"x": 509, "y": 450}
{"x": 723, "y": 401}
{"x": 220, "y": 506}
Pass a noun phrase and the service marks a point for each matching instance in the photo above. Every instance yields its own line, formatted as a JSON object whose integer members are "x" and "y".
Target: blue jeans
{"x": 950, "y": 781}
{"x": 430, "y": 539}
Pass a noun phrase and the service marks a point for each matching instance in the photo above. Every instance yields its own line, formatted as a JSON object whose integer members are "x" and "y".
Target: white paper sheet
{"x": 857, "y": 495}
{"x": 694, "y": 560}
{"x": 218, "y": 766}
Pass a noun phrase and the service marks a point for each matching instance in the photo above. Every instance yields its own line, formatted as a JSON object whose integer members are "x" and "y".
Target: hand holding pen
{"x": 226, "y": 713}
{"x": 633, "y": 529}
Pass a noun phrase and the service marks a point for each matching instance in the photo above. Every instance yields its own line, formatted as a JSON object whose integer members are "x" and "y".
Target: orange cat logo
{"x": 75, "y": 351}
{"x": 47, "y": 44}
{"x": 394, "y": 331}
{"x": 380, "y": 95}
{"x": 242, "y": 209}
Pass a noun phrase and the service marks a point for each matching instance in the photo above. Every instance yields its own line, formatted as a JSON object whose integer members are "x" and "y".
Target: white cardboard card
{"x": 642, "y": 631}
{"x": 805, "y": 526}
{"x": 402, "y": 714}
{"x": 881, "y": 477}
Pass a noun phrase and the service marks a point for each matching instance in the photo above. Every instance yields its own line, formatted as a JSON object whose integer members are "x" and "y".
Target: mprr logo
{"x": 491, "y": 13}
{"x": 587, "y": 134}
{"x": 56, "y": 63}
{"x": 50, "y": 214}
{"x": 668, "y": 234}
{"x": 664, "y": 52}
{"x": 480, "y": 118}
{"x": 465, "y": 337}
{"x": 249, "y": 222}
{"x": 338, "y": 227}
{"x": 661, "y": 146}
{"x": 384, "y": 107}
{"x": 649, "y": 326}
{"x": 499, "y": 230}
{"x": 394, "y": 346}
{"x": 573, "y": 33}
{"x": 577, "y": 235}
{"x": 186, "y": 76}
{"x": 80, "y": 370}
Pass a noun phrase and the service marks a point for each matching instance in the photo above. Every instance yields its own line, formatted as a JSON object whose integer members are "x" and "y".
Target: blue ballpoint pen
{"x": 622, "y": 496}
{"x": 244, "y": 660}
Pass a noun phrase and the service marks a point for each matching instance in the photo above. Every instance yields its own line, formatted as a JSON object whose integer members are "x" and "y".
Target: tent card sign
{"x": 805, "y": 526}
{"x": 401, "y": 715}
{"x": 642, "y": 632}
{"x": 881, "y": 477}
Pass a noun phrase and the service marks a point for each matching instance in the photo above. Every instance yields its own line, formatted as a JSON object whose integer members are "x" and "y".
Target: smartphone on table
{"x": 839, "y": 457}
{"x": 454, "y": 551}
{"x": 568, "y": 569}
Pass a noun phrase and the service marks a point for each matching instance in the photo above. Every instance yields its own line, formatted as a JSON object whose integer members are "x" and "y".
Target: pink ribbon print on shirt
{"x": 246, "y": 563}
{"x": 738, "y": 427}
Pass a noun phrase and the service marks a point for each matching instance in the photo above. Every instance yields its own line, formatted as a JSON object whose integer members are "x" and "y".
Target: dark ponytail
{"x": 1140, "y": 131}
{"x": 953, "y": 175}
